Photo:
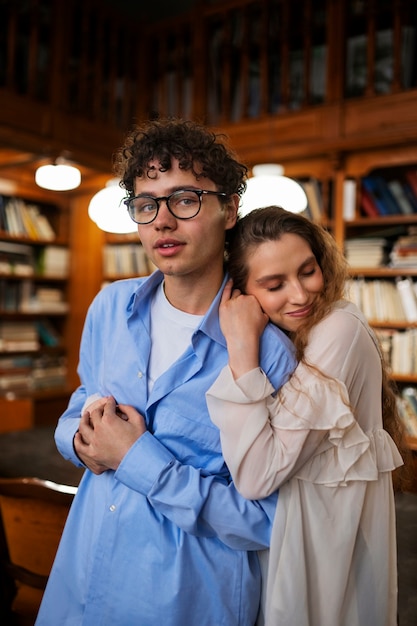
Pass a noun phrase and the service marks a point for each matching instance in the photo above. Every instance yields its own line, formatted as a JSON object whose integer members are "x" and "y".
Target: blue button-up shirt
{"x": 165, "y": 540}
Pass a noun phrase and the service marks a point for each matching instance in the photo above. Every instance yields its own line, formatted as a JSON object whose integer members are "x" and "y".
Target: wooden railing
{"x": 223, "y": 63}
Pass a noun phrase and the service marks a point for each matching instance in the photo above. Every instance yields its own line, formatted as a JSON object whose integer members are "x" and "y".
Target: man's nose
{"x": 164, "y": 219}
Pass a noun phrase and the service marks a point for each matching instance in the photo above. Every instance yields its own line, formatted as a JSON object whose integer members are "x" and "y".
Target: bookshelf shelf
{"x": 387, "y": 220}
{"x": 382, "y": 272}
{"x": 59, "y": 241}
{"x": 402, "y": 378}
{"x": 19, "y": 315}
{"x": 34, "y": 277}
{"x": 399, "y": 325}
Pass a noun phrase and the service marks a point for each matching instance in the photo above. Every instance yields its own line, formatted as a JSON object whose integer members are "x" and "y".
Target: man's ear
{"x": 232, "y": 208}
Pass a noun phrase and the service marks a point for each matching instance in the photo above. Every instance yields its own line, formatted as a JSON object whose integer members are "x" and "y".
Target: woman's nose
{"x": 297, "y": 293}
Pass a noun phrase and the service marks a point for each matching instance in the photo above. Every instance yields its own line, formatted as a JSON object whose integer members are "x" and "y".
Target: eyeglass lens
{"x": 182, "y": 204}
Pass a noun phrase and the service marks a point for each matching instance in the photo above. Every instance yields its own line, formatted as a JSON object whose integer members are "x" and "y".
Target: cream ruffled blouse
{"x": 333, "y": 558}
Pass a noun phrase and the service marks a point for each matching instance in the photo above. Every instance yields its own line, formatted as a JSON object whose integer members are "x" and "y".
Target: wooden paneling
{"x": 15, "y": 414}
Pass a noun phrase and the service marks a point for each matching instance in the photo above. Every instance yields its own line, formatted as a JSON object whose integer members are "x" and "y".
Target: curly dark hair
{"x": 195, "y": 146}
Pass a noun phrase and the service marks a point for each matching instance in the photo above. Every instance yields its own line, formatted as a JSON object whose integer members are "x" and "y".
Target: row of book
{"x": 404, "y": 250}
{"x": 23, "y": 219}
{"x": 385, "y": 300}
{"x": 24, "y": 296}
{"x": 391, "y": 251}
{"x": 385, "y": 196}
{"x": 357, "y": 60}
{"x": 373, "y": 196}
{"x": 378, "y": 196}
{"x": 399, "y": 349}
{"x": 31, "y": 373}
{"x": 367, "y": 252}
{"x": 125, "y": 260}
{"x": 18, "y": 259}
{"x": 306, "y": 72}
{"x": 28, "y": 335}
{"x": 407, "y": 408}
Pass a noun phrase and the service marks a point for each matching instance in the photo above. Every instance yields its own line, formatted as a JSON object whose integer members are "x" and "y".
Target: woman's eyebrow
{"x": 268, "y": 277}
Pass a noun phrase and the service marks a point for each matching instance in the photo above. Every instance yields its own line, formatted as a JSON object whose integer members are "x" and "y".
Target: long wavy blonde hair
{"x": 270, "y": 224}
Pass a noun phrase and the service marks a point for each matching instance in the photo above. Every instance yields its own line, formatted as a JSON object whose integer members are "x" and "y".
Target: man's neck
{"x": 191, "y": 296}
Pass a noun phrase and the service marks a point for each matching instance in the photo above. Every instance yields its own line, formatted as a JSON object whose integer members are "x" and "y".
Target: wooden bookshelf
{"x": 34, "y": 307}
{"x": 283, "y": 91}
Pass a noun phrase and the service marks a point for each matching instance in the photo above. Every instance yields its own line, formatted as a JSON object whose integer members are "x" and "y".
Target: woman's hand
{"x": 242, "y": 322}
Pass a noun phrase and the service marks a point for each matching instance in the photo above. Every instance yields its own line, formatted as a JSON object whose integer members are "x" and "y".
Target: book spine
{"x": 408, "y": 298}
{"x": 368, "y": 205}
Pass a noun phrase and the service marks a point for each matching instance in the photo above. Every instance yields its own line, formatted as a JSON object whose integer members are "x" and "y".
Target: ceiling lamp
{"x": 268, "y": 186}
{"x": 58, "y": 176}
{"x": 107, "y": 210}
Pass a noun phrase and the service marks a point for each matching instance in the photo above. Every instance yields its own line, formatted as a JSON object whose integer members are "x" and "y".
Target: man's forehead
{"x": 155, "y": 169}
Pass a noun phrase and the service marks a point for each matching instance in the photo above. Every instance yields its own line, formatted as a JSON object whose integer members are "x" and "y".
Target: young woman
{"x": 323, "y": 439}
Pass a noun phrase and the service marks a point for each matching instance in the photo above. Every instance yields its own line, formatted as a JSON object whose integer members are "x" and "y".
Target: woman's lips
{"x": 300, "y": 312}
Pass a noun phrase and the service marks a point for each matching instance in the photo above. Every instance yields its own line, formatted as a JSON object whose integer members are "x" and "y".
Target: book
{"x": 18, "y": 336}
{"x": 381, "y": 195}
{"x": 404, "y": 252}
{"x": 366, "y": 251}
{"x": 398, "y": 191}
{"x": 411, "y": 394}
{"x": 409, "y": 193}
{"x": 314, "y": 198}
{"x": 53, "y": 261}
{"x": 349, "y": 199}
{"x": 357, "y": 63}
{"x": 407, "y": 414}
{"x": 379, "y": 300}
{"x": 15, "y": 372}
{"x": 16, "y": 259}
{"x": 367, "y": 204}
{"x": 408, "y": 298}
{"x": 47, "y": 333}
{"x": 411, "y": 177}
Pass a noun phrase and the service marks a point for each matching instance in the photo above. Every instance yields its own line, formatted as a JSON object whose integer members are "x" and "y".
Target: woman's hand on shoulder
{"x": 242, "y": 322}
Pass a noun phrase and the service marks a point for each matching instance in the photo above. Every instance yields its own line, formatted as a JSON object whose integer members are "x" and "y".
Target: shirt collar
{"x": 209, "y": 325}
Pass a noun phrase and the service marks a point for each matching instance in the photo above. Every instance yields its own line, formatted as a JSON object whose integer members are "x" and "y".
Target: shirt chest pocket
{"x": 189, "y": 435}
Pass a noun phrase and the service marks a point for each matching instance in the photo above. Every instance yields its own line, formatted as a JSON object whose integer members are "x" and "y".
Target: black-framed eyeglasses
{"x": 183, "y": 204}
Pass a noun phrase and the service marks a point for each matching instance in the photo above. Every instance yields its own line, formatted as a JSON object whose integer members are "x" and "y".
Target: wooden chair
{"x": 33, "y": 513}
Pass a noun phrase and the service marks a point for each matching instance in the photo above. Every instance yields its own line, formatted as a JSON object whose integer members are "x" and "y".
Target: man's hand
{"x": 106, "y": 432}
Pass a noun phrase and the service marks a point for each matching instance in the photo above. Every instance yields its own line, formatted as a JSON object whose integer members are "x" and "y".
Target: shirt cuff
{"x": 250, "y": 387}
{"x": 143, "y": 464}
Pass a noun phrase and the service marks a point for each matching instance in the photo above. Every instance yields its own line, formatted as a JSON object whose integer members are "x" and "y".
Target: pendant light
{"x": 107, "y": 210}
{"x": 268, "y": 186}
{"x": 58, "y": 176}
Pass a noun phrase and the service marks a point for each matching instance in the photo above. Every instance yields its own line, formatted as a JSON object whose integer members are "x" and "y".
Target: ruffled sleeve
{"x": 308, "y": 431}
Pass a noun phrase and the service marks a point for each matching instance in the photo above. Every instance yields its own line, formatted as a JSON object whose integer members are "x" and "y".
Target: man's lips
{"x": 167, "y": 247}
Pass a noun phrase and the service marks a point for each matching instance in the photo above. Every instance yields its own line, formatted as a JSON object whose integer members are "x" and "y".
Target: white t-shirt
{"x": 171, "y": 331}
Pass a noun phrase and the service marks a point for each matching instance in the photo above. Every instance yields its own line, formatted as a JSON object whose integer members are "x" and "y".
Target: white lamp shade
{"x": 107, "y": 210}
{"x": 269, "y": 187}
{"x": 58, "y": 177}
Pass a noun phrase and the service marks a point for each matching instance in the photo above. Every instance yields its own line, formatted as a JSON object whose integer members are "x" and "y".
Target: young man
{"x": 158, "y": 534}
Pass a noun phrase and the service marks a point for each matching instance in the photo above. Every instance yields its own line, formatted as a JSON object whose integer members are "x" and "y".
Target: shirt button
{"x": 140, "y": 374}
{"x": 112, "y": 508}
